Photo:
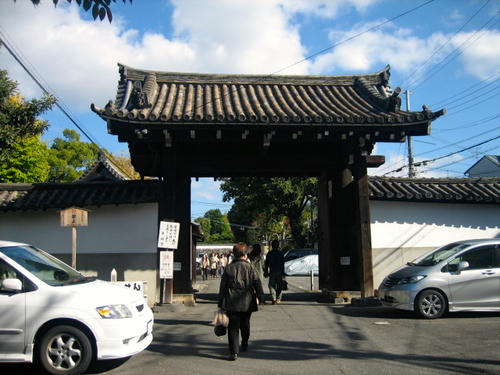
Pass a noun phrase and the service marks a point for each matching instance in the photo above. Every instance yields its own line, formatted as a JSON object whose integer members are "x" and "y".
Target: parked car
{"x": 298, "y": 253}
{"x": 460, "y": 276}
{"x": 52, "y": 314}
{"x": 302, "y": 266}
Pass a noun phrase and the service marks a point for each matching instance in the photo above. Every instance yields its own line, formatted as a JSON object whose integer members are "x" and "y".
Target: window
{"x": 482, "y": 258}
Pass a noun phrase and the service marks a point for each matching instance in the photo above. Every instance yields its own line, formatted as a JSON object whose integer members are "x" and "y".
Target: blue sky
{"x": 446, "y": 52}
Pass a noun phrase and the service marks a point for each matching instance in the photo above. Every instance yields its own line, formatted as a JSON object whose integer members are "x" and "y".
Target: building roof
{"x": 87, "y": 194}
{"x": 487, "y": 166}
{"x": 102, "y": 170}
{"x": 81, "y": 194}
{"x": 452, "y": 190}
{"x": 153, "y": 97}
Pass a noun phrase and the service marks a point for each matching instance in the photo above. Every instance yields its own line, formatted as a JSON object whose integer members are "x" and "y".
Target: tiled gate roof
{"x": 160, "y": 97}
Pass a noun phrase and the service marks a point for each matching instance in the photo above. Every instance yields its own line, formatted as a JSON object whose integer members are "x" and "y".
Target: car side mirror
{"x": 462, "y": 266}
{"x": 12, "y": 285}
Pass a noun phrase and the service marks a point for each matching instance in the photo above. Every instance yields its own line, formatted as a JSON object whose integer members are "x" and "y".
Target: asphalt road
{"x": 304, "y": 335}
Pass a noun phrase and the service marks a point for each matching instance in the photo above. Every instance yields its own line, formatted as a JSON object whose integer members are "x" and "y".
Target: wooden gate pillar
{"x": 175, "y": 205}
{"x": 344, "y": 240}
{"x": 362, "y": 222}
{"x": 325, "y": 235}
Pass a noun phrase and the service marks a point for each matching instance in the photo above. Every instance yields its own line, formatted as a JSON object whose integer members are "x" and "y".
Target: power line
{"x": 330, "y": 47}
{"x": 444, "y": 44}
{"x": 438, "y": 148}
{"x": 443, "y": 157}
{"x": 212, "y": 204}
{"x": 58, "y": 103}
{"x": 454, "y": 54}
{"x": 450, "y": 144}
{"x": 447, "y": 101}
{"x": 354, "y": 36}
{"x": 460, "y": 161}
{"x": 474, "y": 104}
{"x": 476, "y": 123}
{"x": 86, "y": 133}
{"x": 232, "y": 224}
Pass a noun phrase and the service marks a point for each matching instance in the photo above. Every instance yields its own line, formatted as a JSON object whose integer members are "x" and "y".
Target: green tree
{"x": 269, "y": 200}
{"x": 69, "y": 157}
{"x": 18, "y": 117}
{"x": 205, "y": 226}
{"x": 27, "y": 162}
{"x": 220, "y": 230}
{"x": 239, "y": 214}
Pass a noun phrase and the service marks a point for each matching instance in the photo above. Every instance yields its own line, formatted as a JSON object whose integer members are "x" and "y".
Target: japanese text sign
{"x": 169, "y": 235}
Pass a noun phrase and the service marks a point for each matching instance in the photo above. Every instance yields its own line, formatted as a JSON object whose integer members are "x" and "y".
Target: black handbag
{"x": 220, "y": 330}
{"x": 283, "y": 284}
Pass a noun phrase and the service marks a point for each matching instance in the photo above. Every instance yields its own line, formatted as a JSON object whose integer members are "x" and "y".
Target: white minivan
{"x": 52, "y": 314}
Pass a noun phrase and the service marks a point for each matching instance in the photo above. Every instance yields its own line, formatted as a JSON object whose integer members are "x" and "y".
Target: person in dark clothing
{"x": 239, "y": 288}
{"x": 275, "y": 269}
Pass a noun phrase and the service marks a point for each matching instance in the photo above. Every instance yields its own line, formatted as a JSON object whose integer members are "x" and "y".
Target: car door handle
{"x": 488, "y": 273}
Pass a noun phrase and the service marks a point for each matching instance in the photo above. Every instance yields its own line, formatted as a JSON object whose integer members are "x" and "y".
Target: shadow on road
{"x": 296, "y": 351}
{"x": 388, "y": 313}
{"x": 97, "y": 367}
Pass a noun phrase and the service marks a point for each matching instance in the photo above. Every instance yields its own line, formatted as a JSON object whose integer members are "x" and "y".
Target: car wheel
{"x": 431, "y": 304}
{"x": 65, "y": 350}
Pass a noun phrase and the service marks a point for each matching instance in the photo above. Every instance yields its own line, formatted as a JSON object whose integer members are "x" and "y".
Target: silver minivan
{"x": 461, "y": 276}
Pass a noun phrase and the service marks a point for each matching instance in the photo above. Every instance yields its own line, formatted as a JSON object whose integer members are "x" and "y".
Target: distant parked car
{"x": 298, "y": 253}
{"x": 302, "y": 266}
{"x": 460, "y": 276}
{"x": 52, "y": 314}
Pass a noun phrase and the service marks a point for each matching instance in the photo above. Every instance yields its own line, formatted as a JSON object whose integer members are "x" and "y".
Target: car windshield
{"x": 47, "y": 268}
{"x": 439, "y": 255}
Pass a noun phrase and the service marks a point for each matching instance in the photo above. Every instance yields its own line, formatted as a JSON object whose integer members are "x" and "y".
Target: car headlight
{"x": 114, "y": 312}
{"x": 411, "y": 279}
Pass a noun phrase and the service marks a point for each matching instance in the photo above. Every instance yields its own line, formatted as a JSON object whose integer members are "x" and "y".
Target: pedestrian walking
{"x": 223, "y": 262}
{"x": 257, "y": 259}
{"x": 205, "y": 265}
{"x": 238, "y": 292}
{"x": 214, "y": 260}
{"x": 275, "y": 269}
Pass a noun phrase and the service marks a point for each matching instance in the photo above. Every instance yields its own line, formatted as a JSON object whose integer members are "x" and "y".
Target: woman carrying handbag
{"x": 239, "y": 288}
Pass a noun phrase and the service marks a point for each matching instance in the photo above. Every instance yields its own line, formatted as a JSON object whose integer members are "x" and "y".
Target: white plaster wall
{"x": 125, "y": 236}
{"x": 403, "y": 231}
{"x": 111, "y": 229}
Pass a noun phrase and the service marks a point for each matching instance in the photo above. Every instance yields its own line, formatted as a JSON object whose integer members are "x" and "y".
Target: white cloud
{"x": 324, "y": 8}
{"x": 206, "y": 189}
{"x": 78, "y": 58}
{"x": 251, "y": 36}
{"x": 480, "y": 52}
{"x": 389, "y": 44}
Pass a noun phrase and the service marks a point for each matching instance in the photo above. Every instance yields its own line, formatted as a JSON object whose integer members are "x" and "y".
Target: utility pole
{"x": 411, "y": 171}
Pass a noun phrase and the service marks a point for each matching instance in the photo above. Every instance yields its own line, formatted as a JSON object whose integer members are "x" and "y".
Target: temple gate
{"x": 183, "y": 125}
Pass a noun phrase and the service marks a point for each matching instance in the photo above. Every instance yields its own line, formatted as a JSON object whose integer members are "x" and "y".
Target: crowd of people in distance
{"x": 213, "y": 265}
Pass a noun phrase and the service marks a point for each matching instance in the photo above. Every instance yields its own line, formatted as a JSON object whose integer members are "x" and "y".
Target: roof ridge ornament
{"x": 139, "y": 97}
{"x": 390, "y": 103}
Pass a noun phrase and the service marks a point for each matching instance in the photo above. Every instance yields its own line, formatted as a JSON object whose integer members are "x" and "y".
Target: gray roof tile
{"x": 160, "y": 97}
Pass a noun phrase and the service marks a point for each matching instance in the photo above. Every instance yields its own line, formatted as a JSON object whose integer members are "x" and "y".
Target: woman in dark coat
{"x": 238, "y": 290}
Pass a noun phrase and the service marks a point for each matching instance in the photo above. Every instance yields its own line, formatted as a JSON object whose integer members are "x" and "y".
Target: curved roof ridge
{"x": 101, "y": 169}
{"x": 128, "y": 72}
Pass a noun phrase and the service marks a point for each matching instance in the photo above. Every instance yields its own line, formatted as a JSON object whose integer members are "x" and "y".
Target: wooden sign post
{"x": 168, "y": 238}
{"x": 74, "y": 217}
